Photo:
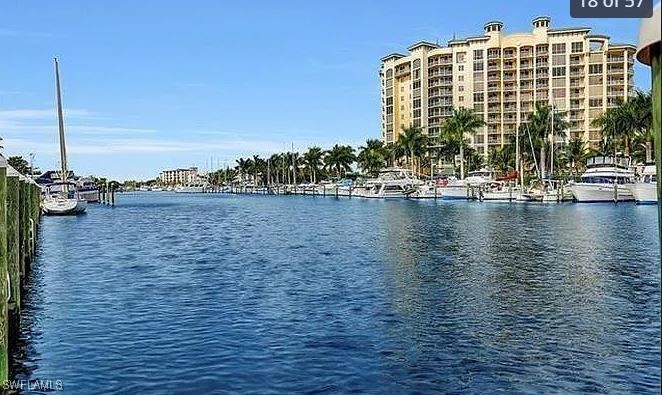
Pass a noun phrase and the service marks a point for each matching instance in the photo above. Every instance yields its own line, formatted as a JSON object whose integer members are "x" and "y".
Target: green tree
{"x": 312, "y": 159}
{"x": 540, "y": 129}
{"x": 339, "y": 159}
{"x": 462, "y": 122}
{"x": 413, "y": 143}
{"x": 20, "y": 165}
{"x": 372, "y": 157}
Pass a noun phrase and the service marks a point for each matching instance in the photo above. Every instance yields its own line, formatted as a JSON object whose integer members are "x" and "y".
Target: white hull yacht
{"x": 644, "y": 189}
{"x": 391, "y": 183}
{"x": 469, "y": 188}
{"x": 604, "y": 180}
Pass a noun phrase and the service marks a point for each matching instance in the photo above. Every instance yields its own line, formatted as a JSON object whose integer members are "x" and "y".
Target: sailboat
{"x": 62, "y": 197}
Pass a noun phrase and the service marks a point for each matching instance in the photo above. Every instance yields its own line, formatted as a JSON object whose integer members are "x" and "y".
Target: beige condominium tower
{"x": 501, "y": 76}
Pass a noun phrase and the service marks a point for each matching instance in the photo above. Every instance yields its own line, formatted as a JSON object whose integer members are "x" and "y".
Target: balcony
{"x": 493, "y": 67}
{"x": 526, "y": 98}
{"x": 494, "y": 99}
{"x": 493, "y": 55}
{"x": 508, "y": 66}
{"x": 615, "y": 81}
{"x": 509, "y": 77}
{"x": 526, "y": 54}
{"x": 526, "y": 86}
{"x": 526, "y": 76}
{"x": 493, "y": 88}
{"x": 510, "y": 98}
{"x": 508, "y": 54}
{"x": 433, "y": 74}
{"x": 615, "y": 59}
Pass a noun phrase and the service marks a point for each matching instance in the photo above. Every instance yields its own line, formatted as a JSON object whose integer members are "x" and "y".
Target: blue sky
{"x": 159, "y": 84}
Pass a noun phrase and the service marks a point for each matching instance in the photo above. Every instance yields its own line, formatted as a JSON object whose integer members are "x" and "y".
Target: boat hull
{"x": 63, "y": 206}
{"x": 457, "y": 192}
{"x": 644, "y": 193}
{"x": 599, "y": 193}
{"x": 91, "y": 195}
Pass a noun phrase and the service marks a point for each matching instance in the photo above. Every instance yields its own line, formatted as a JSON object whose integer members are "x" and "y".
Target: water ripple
{"x": 270, "y": 295}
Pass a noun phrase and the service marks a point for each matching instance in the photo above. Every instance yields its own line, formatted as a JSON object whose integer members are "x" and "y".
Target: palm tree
{"x": 372, "y": 158}
{"x": 312, "y": 159}
{"x": 339, "y": 159}
{"x": 462, "y": 122}
{"x": 242, "y": 167}
{"x": 393, "y": 152}
{"x": 574, "y": 154}
{"x": 413, "y": 143}
{"x": 540, "y": 127}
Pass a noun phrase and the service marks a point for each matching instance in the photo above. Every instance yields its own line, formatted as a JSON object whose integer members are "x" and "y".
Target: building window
{"x": 595, "y": 69}
{"x": 595, "y": 45}
{"x": 577, "y": 47}
{"x": 459, "y": 57}
{"x": 558, "y": 48}
{"x": 461, "y": 98}
{"x": 478, "y": 54}
{"x": 460, "y": 67}
{"x": 478, "y": 66}
{"x": 460, "y": 88}
{"x": 558, "y": 71}
{"x": 460, "y": 78}
{"x": 479, "y": 97}
{"x": 595, "y": 103}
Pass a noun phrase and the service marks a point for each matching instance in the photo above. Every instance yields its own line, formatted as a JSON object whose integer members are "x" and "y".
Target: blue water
{"x": 253, "y": 294}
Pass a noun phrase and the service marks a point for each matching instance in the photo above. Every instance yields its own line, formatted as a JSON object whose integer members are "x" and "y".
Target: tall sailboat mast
{"x": 60, "y": 123}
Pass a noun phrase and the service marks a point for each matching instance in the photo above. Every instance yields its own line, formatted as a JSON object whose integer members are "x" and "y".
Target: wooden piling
{"x": 13, "y": 250}
{"x": 4, "y": 323}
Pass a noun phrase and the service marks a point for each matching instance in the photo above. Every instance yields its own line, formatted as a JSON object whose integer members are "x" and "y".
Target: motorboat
{"x": 189, "y": 189}
{"x": 63, "y": 200}
{"x": 605, "y": 180}
{"x": 644, "y": 188}
{"x": 468, "y": 188}
{"x": 392, "y": 183}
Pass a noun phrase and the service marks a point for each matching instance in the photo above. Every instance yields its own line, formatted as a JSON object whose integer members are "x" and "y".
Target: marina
{"x": 292, "y": 294}
{"x": 480, "y": 215}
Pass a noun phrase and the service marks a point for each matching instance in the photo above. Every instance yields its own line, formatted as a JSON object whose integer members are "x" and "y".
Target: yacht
{"x": 644, "y": 189}
{"x": 62, "y": 198}
{"x": 467, "y": 188}
{"x": 189, "y": 189}
{"x": 391, "y": 183}
{"x": 604, "y": 180}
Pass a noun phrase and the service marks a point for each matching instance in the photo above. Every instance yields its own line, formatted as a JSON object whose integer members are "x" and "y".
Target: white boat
{"x": 467, "y": 188}
{"x": 644, "y": 189}
{"x": 88, "y": 190}
{"x": 66, "y": 200}
{"x": 62, "y": 202}
{"x": 391, "y": 183}
{"x": 604, "y": 180}
{"x": 189, "y": 189}
{"x": 549, "y": 191}
{"x": 157, "y": 189}
{"x": 499, "y": 191}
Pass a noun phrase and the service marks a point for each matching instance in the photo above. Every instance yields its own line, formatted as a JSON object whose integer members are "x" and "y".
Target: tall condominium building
{"x": 502, "y": 76}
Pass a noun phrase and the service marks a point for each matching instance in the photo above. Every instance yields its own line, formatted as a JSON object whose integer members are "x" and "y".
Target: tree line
{"x": 624, "y": 128}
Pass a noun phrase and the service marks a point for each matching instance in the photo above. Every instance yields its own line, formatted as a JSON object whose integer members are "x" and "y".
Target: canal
{"x": 256, "y": 294}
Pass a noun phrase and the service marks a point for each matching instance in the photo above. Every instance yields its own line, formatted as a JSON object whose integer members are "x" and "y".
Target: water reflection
{"x": 301, "y": 294}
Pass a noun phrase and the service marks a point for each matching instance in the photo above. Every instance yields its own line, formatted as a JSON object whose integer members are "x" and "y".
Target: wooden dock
{"x": 20, "y": 213}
